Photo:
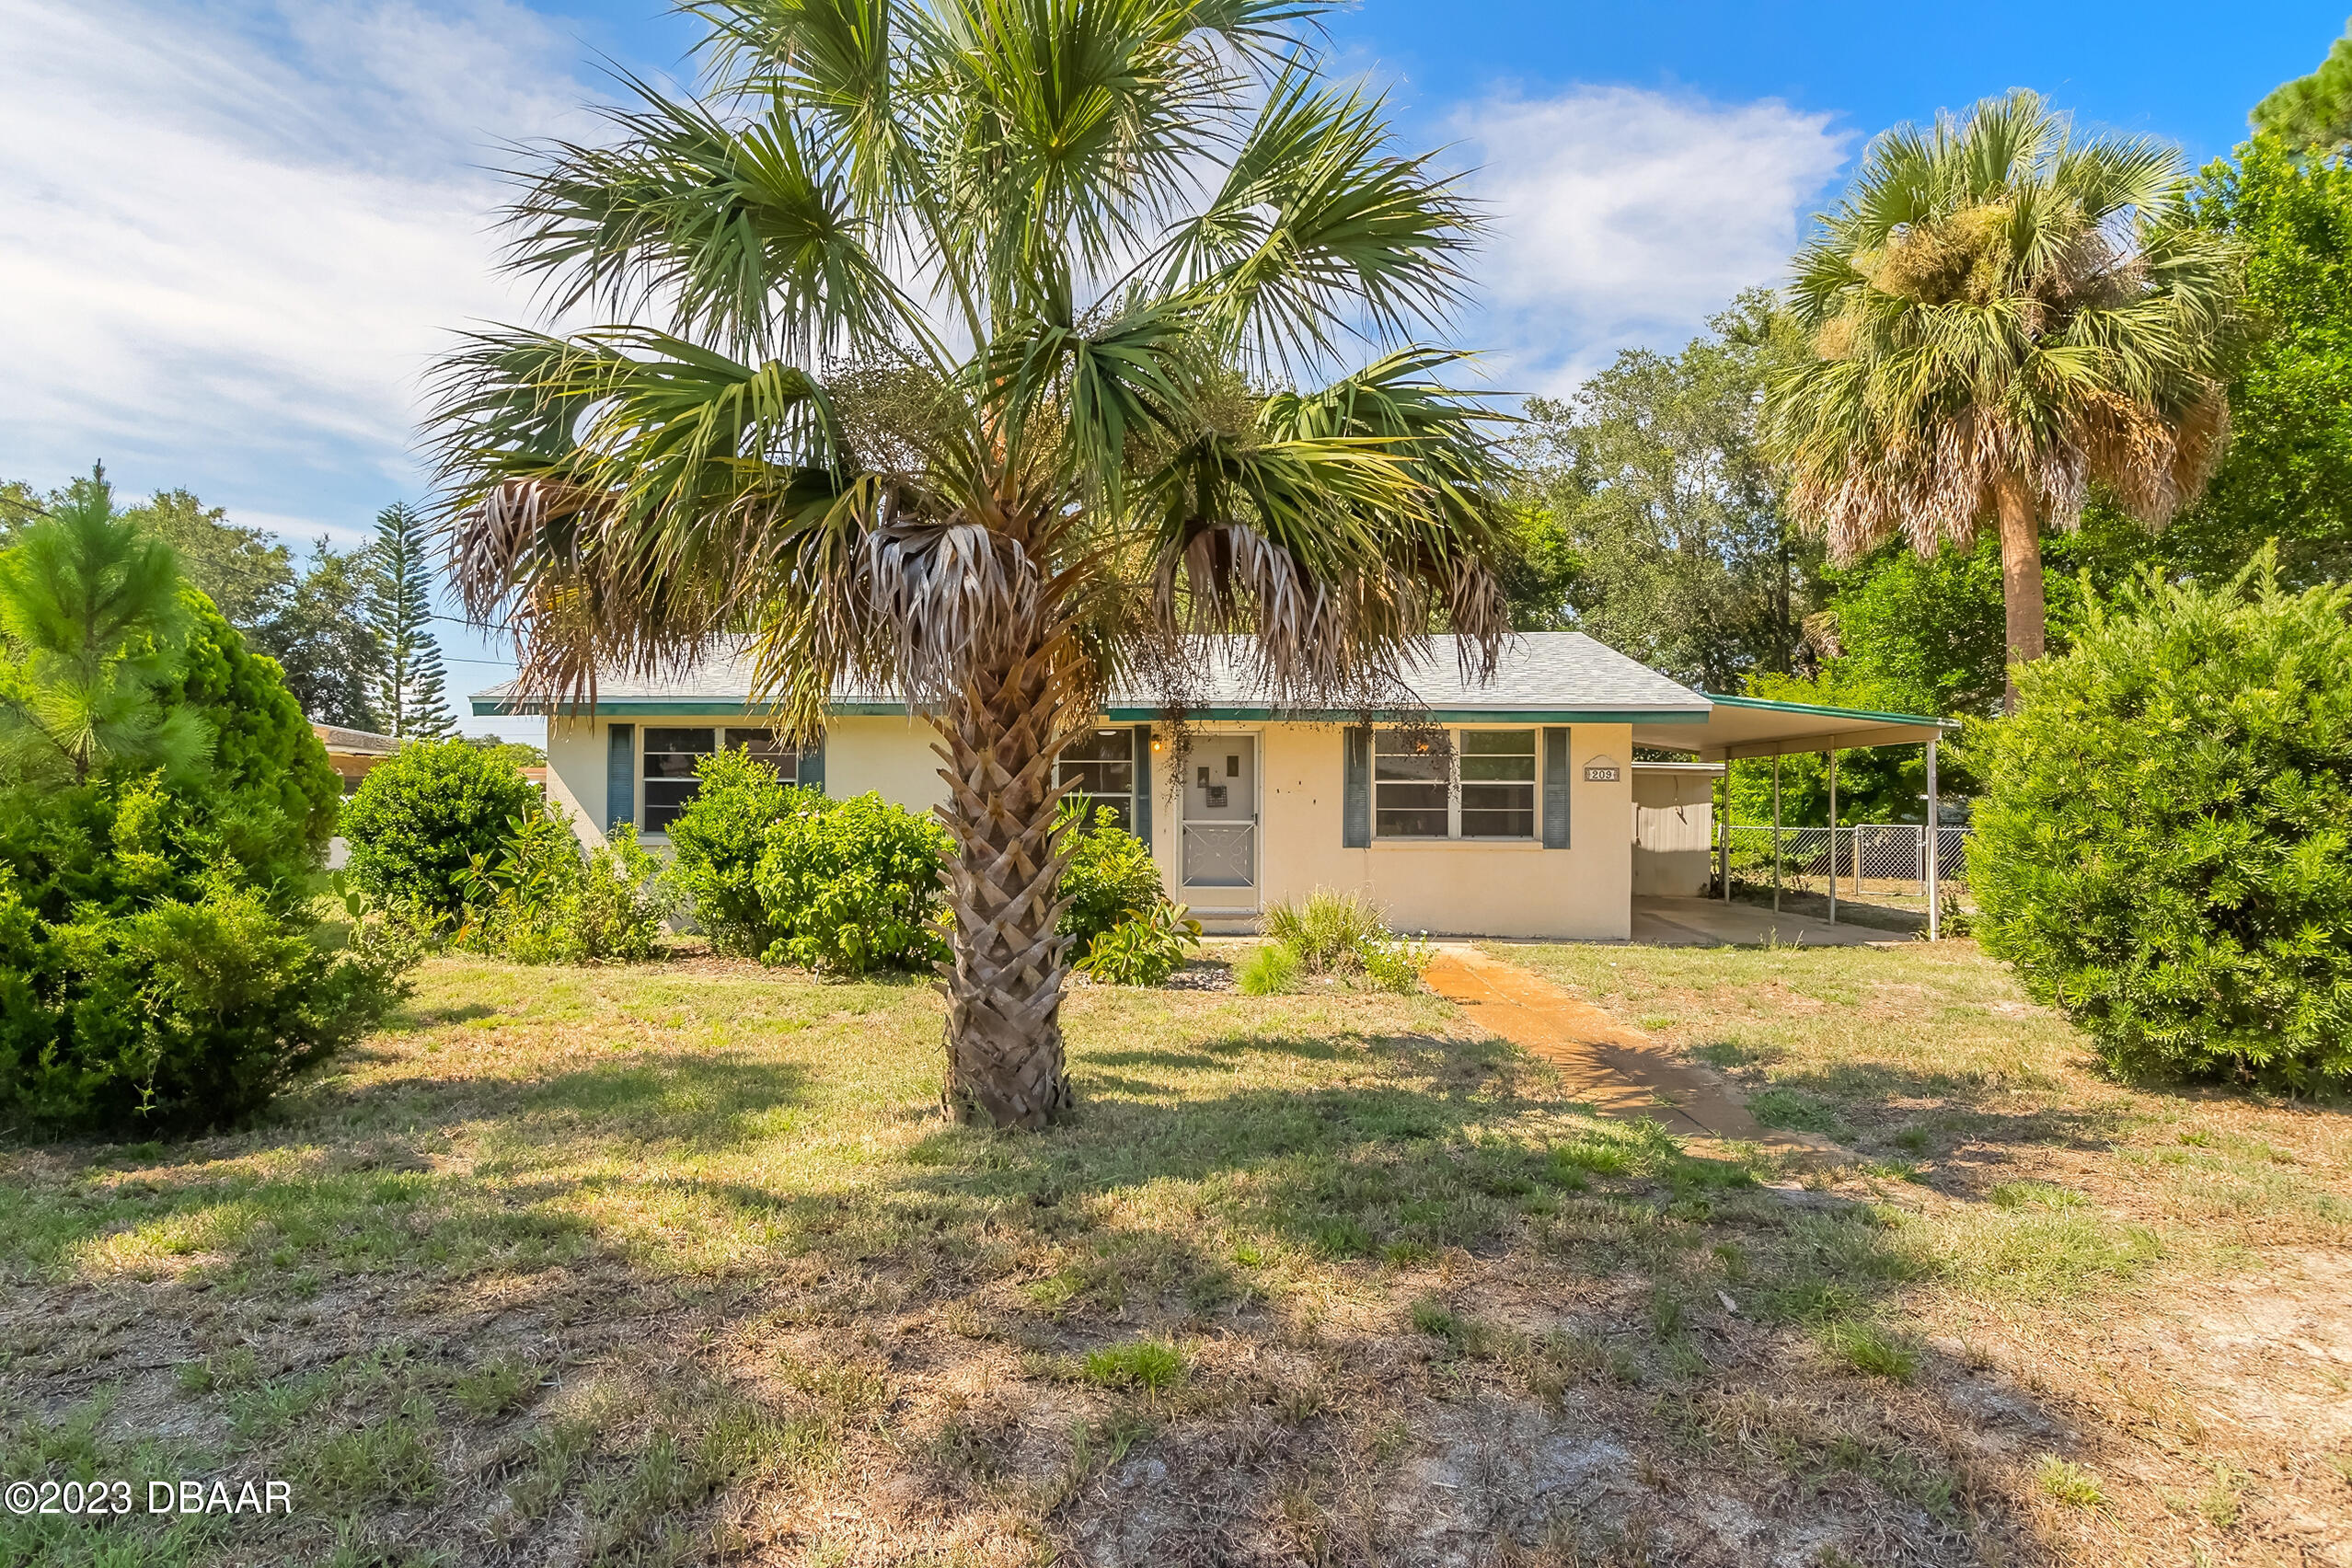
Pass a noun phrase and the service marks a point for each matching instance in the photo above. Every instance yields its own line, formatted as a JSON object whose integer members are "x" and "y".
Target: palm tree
{"x": 1997, "y": 314}
{"x": 976, "y": 376}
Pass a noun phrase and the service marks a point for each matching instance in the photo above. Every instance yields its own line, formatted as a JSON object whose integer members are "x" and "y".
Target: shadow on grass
{"x": 1176, "y": 1182}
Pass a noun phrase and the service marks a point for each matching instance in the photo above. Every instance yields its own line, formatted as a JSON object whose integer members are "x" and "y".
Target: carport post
{"x": 1934, "y": 844}
{"x": 1723, "y": 835}
{"x": 1833, "y": 835}
{"x": 1776, "y": 832}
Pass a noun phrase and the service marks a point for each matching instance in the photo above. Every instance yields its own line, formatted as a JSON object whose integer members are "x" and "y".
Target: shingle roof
{"x": 354, "y": 742}
{"x": 1560, "y": 674}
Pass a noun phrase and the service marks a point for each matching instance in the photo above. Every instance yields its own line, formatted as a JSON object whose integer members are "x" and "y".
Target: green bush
{"x": 1144, "y": 951}
{"x": 422, "y": 816}
{"x": 158, "y": 971}
{"x": 1109, "y": 879}
{"x": 185, "y": 1016}
{"x": 1328, "y": 932}
{"x": 715, "y": 845}
{"x": 2164, "y": 850}
{"x": 538, "y": 901}
{"x": 853, "y": 885}
{"x": 1347, "y": 934}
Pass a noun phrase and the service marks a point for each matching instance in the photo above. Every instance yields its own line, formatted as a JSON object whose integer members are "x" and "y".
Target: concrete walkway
{"x": 1618, "y": 1070}
{"x": 1710, "y": 922}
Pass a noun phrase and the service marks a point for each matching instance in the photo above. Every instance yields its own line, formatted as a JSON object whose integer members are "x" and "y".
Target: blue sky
{"x": 236, "y": 229}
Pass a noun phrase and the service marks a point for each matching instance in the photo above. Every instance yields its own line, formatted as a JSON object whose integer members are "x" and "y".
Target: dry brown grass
{"x": 676, "y": 1264}
{"x": 2164, "y": 1271}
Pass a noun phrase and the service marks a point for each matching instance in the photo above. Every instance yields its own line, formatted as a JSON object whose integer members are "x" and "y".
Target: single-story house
{"x": 351, "y": 753}
{"x": 1501, "y": 809}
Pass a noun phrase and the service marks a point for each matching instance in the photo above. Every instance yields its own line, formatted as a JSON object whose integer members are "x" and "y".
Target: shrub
{"x": 1109, "y": 879}
{"x": 157, "y": 972}
{"x": 1328, "y": 932}
{"x": 716, "y": 844}
{"x": 2164, "y": 851}
{"x": 1144, "y": 951}
{"x": 185, "y": 1015}
{"x": 420, "y": 818}
{"x": 1269, "y": 971}
{"x": 539, "y": 903}
{"x": 853, "y": 885}
{"x": 1346, "y": 933}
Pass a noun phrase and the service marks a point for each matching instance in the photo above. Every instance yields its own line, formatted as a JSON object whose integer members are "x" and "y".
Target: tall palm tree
{"x": 1997, "y": 314}
{"x": 957, "y": 353}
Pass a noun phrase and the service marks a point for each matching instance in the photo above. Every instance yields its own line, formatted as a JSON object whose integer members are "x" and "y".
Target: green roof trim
{"x": 1769, "y": 705}
{"x": 635, "y": 708}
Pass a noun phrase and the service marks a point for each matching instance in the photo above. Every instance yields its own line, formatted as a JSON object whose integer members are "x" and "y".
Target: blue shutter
{"x": 1355, "y": 806}
{"x": 620, "y": 776}
{"x": 1555, "y": 787}
{"x": 1141, "y": 816}
{"x": 813, "y": 766}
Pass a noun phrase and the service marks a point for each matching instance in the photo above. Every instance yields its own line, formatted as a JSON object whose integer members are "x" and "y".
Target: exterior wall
{"x": 890, "y": 757}
{"x": 1673, "y": 825}
{"x": 1445, "y": 886}
{"x": 576, "y": 775}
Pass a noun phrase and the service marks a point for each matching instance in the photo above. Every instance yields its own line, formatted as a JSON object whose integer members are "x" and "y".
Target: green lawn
{"x": 677, "y": 1263}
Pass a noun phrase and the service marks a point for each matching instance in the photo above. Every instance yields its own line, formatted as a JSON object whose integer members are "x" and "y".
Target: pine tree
{"x": 398, "y": 610}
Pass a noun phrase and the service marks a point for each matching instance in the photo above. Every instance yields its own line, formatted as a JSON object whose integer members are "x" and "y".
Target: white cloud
{"x": 237, "y": 232}
{"x": 1624, "y": 216}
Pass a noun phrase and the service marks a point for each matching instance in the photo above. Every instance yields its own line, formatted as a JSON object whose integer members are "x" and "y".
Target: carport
{"x": 1738, "y": 728}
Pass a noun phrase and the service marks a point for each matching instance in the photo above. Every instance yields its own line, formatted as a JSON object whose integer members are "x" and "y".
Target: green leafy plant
{"x": 773, "y": 436}
{"x": 539, "y": 903}
{"x": 853, "y": 885}
{"x": 185, "y": 1015}
{"x": 2164, "y": 850}
{"x": 1110, "y": 878}
{"x": 1145, "y": 949}
{"x": 716, "y": 844}
{"x": 424, "y": 816}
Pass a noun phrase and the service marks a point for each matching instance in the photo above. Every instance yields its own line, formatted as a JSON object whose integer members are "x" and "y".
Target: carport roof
{"x": 1755, "y": 726}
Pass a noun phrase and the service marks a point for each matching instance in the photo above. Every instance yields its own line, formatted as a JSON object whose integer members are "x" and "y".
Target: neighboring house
{"x": 352, "y": 752}
{"x": 1506, "y": 808}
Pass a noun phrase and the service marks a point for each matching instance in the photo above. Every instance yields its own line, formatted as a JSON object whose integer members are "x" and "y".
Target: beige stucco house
{"x": 1506, "y": 808}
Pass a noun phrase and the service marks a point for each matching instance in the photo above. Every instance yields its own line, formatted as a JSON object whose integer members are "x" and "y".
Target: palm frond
{"x": 748, "y": 233}
{"x": 1320, "y": 229}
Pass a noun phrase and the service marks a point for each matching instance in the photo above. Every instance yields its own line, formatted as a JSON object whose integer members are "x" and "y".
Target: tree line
{"x": 352, "y": 630}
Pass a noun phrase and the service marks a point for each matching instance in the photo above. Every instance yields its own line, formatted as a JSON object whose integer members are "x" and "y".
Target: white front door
{"x": 1221, "y": 821}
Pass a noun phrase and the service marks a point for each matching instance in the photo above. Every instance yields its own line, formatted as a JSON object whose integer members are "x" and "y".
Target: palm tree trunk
{"x": 1004, "y": 985}
{"x": 2021, "y": 579}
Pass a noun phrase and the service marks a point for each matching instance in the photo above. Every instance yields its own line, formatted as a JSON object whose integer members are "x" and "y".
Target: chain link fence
{"x": 1884, "y": 857}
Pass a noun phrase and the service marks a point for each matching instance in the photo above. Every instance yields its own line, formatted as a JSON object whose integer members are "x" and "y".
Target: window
{"x": 670, "y": 783}
{"x": 766, "y": 747}
{"x": 1102, "y": 766}
{"x": 1409, "y": 786}
{"x": 1498, "y": 783}
{"x": 1481, "y": 786}
{"x": 671, "y": 755}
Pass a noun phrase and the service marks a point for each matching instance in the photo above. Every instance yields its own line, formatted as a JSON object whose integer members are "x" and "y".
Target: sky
{"x": 237, "y": 231}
